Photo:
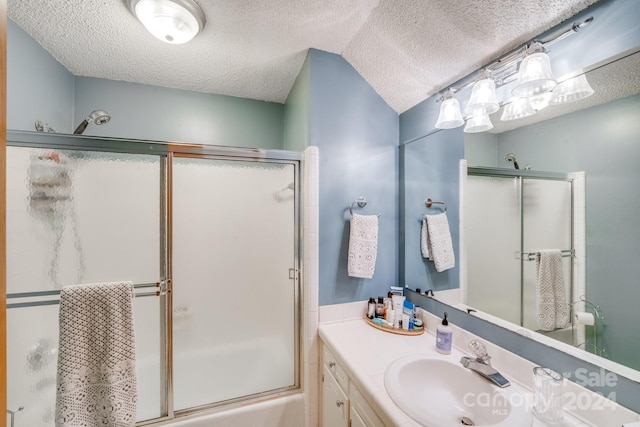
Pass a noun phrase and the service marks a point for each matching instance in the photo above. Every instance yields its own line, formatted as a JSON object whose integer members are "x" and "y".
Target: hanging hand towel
{"x": 424, "y": 239}
{"x": 96, "y": 381}
{"x": 553, "y": 311}
{"x": 439, "y": 240}
{"x": 363, "y": 246}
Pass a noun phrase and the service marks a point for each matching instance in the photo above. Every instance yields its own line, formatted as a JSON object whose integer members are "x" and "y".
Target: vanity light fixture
{"x": 450, "y": 116}
{"x": 517, "y": 108}
{"x": 172, "y": 21}
{"x": 535, "y": 88}
{"x": 483, "y": 96}
{"x": 478, "y": 122}
{"x": 572, "y": 90}
{"x": 534, "y": 76}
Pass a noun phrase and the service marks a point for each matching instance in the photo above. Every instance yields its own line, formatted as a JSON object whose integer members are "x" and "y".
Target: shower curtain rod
{"x": 57, "y": 292}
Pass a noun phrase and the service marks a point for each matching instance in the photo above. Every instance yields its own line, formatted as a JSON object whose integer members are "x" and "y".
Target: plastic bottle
{"x": 371, "y": 309}
{"x": 444, "y": 336}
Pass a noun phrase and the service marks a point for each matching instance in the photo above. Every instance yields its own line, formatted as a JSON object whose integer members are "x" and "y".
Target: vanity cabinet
{"x": 335, "y": 403}
{"x": 342, "y": 404}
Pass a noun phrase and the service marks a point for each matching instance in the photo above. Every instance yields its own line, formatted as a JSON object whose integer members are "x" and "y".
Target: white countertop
{"x": 365, "y": 353}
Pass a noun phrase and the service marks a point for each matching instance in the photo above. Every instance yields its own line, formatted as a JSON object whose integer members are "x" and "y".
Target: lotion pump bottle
{"x": 444, "y": 336}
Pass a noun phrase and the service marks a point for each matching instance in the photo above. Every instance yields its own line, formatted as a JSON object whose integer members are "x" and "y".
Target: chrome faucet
{"x": 482, "y": 364}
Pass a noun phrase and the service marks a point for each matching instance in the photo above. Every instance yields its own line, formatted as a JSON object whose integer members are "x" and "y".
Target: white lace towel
{"x": 424, "y": 239}
{"x": 439, "y": 242}
{"x": 363, "y": 246}
{"x": 96, "y": 381}
{"x": 553, "y": 311}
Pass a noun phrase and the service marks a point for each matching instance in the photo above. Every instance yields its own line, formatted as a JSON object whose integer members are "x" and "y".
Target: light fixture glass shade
{"x": 572, "y": 90}
{"x": 172, "y": 21}
{"x": 478, "y": 123}
{"x": 517, "y": 108}
{"x": 538, "y": 102}
{"x": 483, "y": 97}
{"x": 450, "y": 116}
{"x": 535, "y": 76}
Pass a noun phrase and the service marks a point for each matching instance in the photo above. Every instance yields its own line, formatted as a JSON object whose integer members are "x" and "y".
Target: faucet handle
{"x": 479, "y": 350}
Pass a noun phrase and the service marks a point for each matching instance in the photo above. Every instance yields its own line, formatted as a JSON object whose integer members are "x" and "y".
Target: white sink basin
{"x": 441, "y": 393}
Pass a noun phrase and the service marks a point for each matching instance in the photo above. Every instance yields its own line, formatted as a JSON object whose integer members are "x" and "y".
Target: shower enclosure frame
{"x": 539, "y": 175}
{"x": 167, "y": 151}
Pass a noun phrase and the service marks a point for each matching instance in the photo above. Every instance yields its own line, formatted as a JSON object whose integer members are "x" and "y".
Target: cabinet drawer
{"x": 360, "y": 406}
{"x": 332, "y": 365}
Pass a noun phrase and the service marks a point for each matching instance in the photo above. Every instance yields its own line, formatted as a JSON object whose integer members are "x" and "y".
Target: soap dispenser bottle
{"x": 444, "y": 336}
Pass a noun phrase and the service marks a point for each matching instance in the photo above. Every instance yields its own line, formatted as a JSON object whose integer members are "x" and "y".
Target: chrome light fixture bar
{"x": 172, "y": 21}
{"x": 535, "y": 89}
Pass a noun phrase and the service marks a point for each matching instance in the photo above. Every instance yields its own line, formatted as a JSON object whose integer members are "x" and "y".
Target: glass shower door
{"x": 77, "y": 217}
{"x": 546, "y": 221}
{"x": 492, "y": 229}
{"x": 233, "y": 270}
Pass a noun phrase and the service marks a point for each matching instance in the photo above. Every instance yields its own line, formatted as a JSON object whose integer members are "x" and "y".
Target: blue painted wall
{"x": 431, "y": 170}
{"x": 38, "y": 86}
{"x": 297, "y": 112}
{"x": 357, "y": 136}
{"x": 150, "y": 112}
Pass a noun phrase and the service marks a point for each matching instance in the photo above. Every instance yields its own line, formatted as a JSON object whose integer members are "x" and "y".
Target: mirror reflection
{"x": 548, "y": 219}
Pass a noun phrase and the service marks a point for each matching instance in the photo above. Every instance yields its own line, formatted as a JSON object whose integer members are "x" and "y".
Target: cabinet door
{"x": 356, "y": 419}
{"x": 335, "y": 404}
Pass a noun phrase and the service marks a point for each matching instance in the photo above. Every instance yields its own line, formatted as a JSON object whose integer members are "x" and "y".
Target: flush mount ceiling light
{"x": 172, "y": 21}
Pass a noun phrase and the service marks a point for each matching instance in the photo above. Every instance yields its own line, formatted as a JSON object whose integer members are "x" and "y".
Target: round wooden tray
{"x": 395, "y": 330}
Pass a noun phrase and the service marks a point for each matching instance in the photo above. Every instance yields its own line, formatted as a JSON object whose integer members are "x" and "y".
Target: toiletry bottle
{"x": 380, "y": 307}
{"x": 371, "y": 308}
{"x": 444, "y": 336}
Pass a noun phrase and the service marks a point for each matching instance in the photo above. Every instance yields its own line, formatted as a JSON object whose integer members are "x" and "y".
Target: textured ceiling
{"x": 406, "y": 49}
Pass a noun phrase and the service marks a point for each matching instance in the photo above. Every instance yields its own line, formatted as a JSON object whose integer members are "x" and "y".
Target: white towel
{"x": 363, "y": 246}
{"x": 439, "y": 242}
{"x": 96, "y": 381}
{"x": 553, "y": 311}
{"x": 424, "y": 239}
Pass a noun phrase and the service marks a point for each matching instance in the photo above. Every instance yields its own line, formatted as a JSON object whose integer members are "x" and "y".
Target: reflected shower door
{"x": 234, "y": 299}
{"x": 77, "y": 217}
{"x": 546, "y": 224}
{"x": 492, "y": 234}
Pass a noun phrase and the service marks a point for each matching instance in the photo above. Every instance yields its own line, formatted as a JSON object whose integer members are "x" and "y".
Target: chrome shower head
{"x": 511, "y": 158}
{"x": 98, "y": 117}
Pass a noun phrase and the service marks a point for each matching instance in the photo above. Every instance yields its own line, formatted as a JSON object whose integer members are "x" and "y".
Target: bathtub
{"x": 287, "y": 411}
{"x": 265, "y": 364}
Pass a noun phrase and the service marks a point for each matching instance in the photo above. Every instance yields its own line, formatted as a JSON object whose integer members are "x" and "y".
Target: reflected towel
{"x": 439, "y": 242}
{"x": 551, "y": 295}
{"x": 96, "y": 380}
{"x": 363, "y": 246}
{"x": 424, "y": 239}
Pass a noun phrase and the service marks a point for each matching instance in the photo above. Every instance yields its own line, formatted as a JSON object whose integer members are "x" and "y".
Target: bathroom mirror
{"x": 591, "y": 216}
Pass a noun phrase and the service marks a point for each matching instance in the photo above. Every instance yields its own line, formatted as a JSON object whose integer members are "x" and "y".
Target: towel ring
{"x": 430, "y": 202}
{"x": 361, "y": 202}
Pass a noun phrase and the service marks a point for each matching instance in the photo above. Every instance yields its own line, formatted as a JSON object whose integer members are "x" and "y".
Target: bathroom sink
{"x": 441, "y": 393}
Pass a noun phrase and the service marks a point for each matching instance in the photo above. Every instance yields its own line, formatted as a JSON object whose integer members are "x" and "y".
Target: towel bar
{"x": 36, "y": 294}
{"x": 361, "y": 202}
{"x": 428, "y": 203}
{"x": 531, "y": 256}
